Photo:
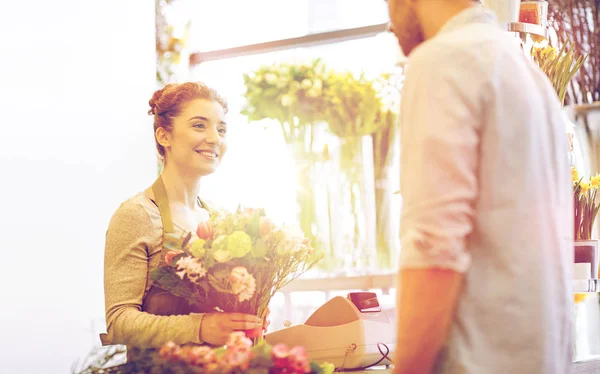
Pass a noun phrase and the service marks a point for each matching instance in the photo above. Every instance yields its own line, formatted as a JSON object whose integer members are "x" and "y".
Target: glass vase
{"x": 352, "y": 213}
{"x": 310, "y": 161}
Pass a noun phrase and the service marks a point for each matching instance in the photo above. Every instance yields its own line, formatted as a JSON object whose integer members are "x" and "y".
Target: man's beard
{"x": 410, "y": 35}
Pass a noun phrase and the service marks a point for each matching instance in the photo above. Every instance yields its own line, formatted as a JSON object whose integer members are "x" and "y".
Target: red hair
{"x": 167, "y": 103}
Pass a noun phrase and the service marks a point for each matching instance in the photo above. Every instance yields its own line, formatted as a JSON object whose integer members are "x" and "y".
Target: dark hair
{"x": 167, "y": 103}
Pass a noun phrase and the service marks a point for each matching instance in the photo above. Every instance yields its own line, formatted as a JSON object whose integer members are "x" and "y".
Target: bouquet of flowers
{"x": 585, "y": 195}
{"x": 292, "y": 94}
{"x": 237, "y": 356}
{"x": 234, "y": 262}
{"x": 297, "y": 95}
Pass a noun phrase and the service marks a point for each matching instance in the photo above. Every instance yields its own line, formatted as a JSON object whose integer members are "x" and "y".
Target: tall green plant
{"x": 560, "y": 67}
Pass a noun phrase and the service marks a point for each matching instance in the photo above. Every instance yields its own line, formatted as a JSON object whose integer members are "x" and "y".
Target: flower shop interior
{"x": 78, "y": 142}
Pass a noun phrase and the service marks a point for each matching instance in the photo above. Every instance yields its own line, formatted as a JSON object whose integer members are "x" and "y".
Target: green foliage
{"x": 303, "y": 94}
{"x": 560, "y": 67}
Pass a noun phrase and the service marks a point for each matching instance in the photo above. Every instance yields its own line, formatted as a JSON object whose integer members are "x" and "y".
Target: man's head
{"x": 405, "y": 24}
{"x": 414, "y": 21}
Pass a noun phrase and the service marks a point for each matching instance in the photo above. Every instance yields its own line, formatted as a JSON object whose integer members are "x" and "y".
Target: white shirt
{"x": 486, "y": 190}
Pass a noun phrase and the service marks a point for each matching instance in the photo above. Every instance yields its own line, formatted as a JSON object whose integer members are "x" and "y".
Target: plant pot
{"x": 586, "y": 251}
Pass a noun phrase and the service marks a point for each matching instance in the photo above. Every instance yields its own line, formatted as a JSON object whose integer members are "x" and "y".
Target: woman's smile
{"x": 212, "y": 155}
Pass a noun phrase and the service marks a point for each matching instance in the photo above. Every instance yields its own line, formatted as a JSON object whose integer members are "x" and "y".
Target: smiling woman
{"x": 190, "y": 132}
{"x": 189, "y": 114}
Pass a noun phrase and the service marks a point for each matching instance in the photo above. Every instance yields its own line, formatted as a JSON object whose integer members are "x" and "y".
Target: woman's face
{"x": 197, "y": 141}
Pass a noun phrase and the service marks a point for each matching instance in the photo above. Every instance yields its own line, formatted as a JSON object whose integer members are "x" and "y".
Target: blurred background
{"x": 77, "y": 141}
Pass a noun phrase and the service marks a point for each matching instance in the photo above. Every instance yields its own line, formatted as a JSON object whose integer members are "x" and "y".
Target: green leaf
{"x": 208, "y": 260}
{"x": 260, "y": 248}
{"x": 253, "y": 225}
{"x": 186, "y": 240}
{"x": 172, "y": 243}
{"x": 262, "y": 355}
{"x": 165, "y": 276}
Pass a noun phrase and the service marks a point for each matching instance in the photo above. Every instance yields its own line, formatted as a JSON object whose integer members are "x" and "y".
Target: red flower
{"x": 170, "y": 255}
{"x": 254, "y": 333}
{"x": 205, "y": 230}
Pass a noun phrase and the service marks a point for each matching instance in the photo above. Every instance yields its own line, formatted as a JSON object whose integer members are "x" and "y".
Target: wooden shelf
{"x": 526, "y": 28}
{"x": 585, "y": 285}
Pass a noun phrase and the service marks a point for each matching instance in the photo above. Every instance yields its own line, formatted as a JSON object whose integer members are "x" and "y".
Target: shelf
{"x": 585, "y": 285}
{"x": 527, "y": 28}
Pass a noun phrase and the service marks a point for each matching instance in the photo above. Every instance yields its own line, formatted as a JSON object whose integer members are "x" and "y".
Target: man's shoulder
{"x": 465, "y": 48}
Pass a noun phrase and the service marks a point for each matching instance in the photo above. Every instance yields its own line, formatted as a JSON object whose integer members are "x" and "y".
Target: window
{"x": 257, "y": 157}
{"x": 251, "y": 22}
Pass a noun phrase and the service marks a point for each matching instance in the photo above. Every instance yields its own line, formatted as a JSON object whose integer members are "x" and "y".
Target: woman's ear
{"x": 163, "y": 137}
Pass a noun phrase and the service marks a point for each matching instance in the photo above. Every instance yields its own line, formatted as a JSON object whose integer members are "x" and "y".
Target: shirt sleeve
{"x": 125, "y": 276}
{"x": 439, "y": 160}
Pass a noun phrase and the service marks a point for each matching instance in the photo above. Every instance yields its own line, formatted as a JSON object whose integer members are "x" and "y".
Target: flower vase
{"x": 586, "y": 251}
{"x": 387, "y": 202}
{"x": 352, "y": 203}
{"x": 311, "y": 194}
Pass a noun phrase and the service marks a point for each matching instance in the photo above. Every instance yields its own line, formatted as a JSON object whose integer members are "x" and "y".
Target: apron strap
{"x": 160, "y": 195}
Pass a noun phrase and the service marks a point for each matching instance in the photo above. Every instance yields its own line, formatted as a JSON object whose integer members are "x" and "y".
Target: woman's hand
{"x": 216, "y": 327}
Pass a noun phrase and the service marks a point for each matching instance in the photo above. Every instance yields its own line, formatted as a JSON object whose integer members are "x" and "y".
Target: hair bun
{"x": 154, "y": 102}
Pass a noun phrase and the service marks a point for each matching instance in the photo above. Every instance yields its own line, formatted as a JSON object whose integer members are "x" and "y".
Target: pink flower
{"x": 265, "y": 226}
{"x": 242, "y": 283}
{"x": 170, "y": 255}
{"x": 200, "y": 356}
{"x": 250, "y": 211}
{"x": 239, "y": 356}
{"x": 205, "y": 230}
{"x": 238, "y": 274}
{"x": 299, "y": 360}
{"x": 238, "y": 339}
{"x": 168, "y": 351}
{"x": 280, "y": 351}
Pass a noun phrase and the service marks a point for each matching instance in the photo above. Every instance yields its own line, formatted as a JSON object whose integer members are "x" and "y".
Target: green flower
{"x": 239, "y": 244}
{"x": 197, "y": 250}
{"x": 219, "y": 247}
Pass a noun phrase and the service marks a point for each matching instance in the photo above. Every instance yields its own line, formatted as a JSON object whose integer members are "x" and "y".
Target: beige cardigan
{"x": 133, "y": 246}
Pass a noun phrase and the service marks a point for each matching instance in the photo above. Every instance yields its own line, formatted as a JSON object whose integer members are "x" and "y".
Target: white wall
{"x": 75, "y": 140}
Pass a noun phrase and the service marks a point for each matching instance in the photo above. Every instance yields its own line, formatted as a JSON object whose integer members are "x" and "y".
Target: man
{"x": 486, "y": 232}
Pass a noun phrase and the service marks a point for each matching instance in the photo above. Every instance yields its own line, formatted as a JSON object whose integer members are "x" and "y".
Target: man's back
{"x": 495, "y": 116}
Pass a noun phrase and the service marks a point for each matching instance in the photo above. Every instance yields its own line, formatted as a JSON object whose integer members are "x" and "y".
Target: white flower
{"x": 292, "y": 242}
{"x": 286, "y": 100}
{"x": 312, "y": 93}
{"x": 306, "y": 84}
{"x": 377, "y": 86}
{"x": 271, "y": 78}
{"x": 318, "y": 84}
{"x": 257, "y": 78}
{"x": 192, "y": 267}
{"x": 248, "y": 292}
{"x": 242, "y": 283}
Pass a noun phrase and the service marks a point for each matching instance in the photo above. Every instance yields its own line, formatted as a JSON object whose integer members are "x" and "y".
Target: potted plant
{"x": 586, "y": 204}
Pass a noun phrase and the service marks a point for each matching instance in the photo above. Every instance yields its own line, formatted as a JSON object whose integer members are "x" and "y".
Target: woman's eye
{"x": 223, "y": 131}
{"x": 200, "y": 125}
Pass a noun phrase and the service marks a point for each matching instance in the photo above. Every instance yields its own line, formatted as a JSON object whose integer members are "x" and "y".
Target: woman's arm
{"x": 128, "y": 238}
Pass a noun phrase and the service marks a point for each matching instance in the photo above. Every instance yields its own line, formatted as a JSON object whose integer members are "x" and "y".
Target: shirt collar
{"x": 475, "y": 14}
